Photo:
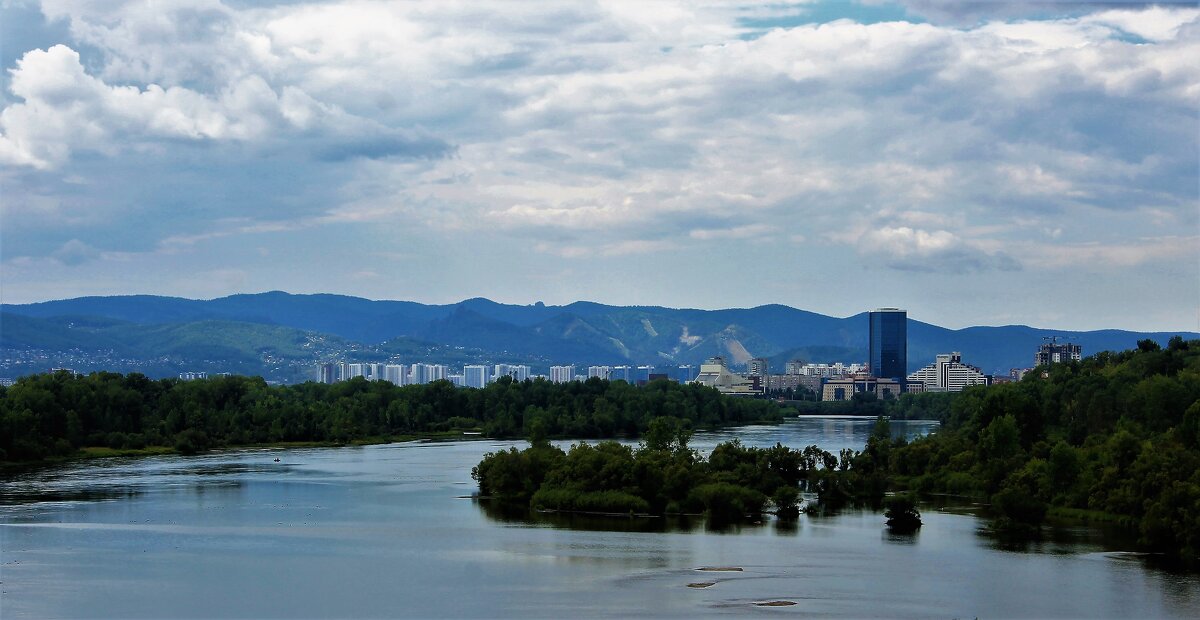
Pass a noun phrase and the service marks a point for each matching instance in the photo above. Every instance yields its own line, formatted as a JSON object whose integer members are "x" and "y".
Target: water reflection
{"x": 380, "y": 531}
{"x": 893, "y": 537}
{"x": 515, "y": 514}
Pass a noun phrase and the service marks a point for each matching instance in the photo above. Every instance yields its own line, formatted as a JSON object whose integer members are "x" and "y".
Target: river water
{"x": 390, "y": 530}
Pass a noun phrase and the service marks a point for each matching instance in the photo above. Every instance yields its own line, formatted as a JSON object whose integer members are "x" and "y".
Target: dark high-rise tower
{"x": 889, "y": 343}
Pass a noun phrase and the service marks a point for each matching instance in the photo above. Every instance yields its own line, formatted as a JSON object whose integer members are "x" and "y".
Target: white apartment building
{"x": 328, "y": 373}
{"x": 377, "y": 371}
{"x": 562, "y": 374}
{"x": 476, "y": 376}
{"x": 428, "y": 373}
{"x": 396, "y": 373}
{"x": 948, "y": 374}
{"x": 355, "y": 370}
{"x": 599, "y": 372}
{"x": 519, "y": 372}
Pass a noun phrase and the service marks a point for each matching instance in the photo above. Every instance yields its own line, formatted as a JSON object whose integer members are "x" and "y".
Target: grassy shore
{"x": 93, "y": 452}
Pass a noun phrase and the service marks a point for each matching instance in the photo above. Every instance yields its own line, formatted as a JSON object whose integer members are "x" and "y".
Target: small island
{"x": 662, "y": 476}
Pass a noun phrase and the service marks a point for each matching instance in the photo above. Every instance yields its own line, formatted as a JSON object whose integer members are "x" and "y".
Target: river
{"x": 391, "y": 530}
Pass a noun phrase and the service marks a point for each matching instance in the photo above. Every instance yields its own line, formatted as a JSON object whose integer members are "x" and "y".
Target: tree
{"x": 902, "y": 514}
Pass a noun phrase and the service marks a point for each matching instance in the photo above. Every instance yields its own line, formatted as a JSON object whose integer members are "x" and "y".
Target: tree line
{"x": 55, "y": 415}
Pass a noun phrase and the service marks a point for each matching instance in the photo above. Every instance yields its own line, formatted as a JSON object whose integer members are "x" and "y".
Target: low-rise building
{"x": 714, "y": 373}
{"x": 844, "y": 388}
{"x": 948, "y": 374}
{"x": 779, "y": 383}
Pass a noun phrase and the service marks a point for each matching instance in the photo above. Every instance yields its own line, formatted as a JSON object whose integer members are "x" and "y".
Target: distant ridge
{"x": 582, "y": 332}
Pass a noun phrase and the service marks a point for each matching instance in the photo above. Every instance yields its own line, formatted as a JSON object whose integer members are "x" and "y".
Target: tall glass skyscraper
{"x": 889, "y": 343}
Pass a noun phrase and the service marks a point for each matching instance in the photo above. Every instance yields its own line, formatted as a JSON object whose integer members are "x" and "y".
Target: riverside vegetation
{"x": 1115, "y": 437}
{"x": 664, "y": 476}
{"x": 56, "y": 415}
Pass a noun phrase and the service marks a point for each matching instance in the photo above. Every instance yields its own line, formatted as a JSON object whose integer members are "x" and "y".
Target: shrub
{"x": 191, "y": 441}
{"x": 723, "y": 501}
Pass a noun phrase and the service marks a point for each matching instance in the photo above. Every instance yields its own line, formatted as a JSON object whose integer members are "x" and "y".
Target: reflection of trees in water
{"x": 518, "y": 514}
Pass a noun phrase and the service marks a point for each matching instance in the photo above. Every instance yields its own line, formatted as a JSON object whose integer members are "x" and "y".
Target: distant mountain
{"x": 291, "y": 327}
{"x": 349, "y": 317}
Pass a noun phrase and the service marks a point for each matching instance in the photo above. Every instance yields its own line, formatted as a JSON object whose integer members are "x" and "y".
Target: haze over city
{"x": 977, "y": 163}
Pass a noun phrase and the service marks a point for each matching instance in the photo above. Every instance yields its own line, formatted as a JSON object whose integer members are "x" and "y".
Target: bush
{"x": 902, "y": 514}
{"x": 723, "y": 501}
{"x": 191, "y": 441}
{"x": 618, "y": 502}
{"x": 1019, "y": 506}
{"x": 787, "y": 502}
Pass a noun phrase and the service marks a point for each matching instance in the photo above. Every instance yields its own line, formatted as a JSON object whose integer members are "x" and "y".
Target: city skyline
{"x": 978, "y": 163}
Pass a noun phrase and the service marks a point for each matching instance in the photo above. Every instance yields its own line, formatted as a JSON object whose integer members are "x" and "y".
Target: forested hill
{"x": 582, "y": 333}
{"x": 54, "y": 415}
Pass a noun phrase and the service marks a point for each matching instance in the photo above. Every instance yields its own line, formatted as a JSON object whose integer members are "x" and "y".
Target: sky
{"x": 979, "y": 163}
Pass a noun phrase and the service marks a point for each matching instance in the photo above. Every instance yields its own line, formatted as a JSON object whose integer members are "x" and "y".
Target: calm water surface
{"x": 384, "y": 531}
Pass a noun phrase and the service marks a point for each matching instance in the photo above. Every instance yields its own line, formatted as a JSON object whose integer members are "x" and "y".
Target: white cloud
{"x": 64, "y": 109}
{"x": 933, "y": 251}
{"x": 1154, "y": 23}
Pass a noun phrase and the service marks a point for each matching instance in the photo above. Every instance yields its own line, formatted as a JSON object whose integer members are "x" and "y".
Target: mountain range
{"x": 281, "y": 335}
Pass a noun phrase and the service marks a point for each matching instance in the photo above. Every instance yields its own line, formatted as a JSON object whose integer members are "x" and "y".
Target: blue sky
{"x": 975, "y": 163}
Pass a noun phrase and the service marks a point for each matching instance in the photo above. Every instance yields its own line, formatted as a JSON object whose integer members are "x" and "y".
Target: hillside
{"x": 275, "y": 352}
{"x": 581, "y": 333}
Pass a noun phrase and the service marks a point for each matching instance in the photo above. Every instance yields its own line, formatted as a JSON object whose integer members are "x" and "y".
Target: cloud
{"x": 75, "y": 252}
{"x": 748, "y": 231}
{"x": 1112, "y": 255}
{"x": 932, "y": 251}
{"x": 960, "y": 13}
{"x": 609, "y": 130}
{"x": 65, "y": 109}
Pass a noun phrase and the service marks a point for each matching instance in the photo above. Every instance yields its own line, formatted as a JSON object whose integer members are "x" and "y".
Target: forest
{"x": 55, "y": 415}
{"x": 1114, "y": 437}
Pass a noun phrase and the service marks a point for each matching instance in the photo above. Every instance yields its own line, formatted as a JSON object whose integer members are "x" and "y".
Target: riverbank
{"x": 92, "y": 452}
{"x": 96, "y": 452}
